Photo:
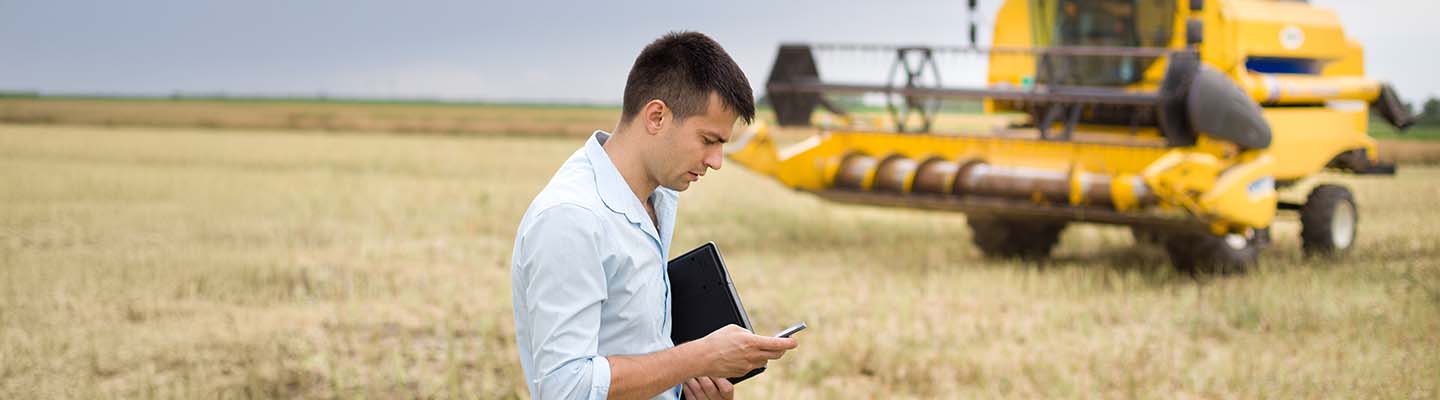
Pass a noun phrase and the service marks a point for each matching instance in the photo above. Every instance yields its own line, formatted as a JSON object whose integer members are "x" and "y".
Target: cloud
{"x": 428, "y": 79}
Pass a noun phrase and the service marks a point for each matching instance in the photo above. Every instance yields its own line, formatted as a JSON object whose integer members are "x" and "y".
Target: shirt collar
{"x": 615, "y": 192}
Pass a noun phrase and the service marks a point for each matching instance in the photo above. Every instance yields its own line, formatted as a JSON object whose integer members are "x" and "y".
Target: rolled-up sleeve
{"x": 564, "y": 287}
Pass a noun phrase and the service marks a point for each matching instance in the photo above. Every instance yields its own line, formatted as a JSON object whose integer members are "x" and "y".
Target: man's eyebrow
{"x": 715, "y": 136}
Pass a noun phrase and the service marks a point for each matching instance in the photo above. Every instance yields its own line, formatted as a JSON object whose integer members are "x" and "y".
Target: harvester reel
{"x": 916, "y": 67}
{"x": 794, "y": 63}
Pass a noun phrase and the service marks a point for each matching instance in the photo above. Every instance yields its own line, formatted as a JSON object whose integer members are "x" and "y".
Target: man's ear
{"x": 654, "y": 115}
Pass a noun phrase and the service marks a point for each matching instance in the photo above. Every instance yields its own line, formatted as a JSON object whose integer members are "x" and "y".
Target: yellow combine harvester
{"x": 1179, "y": 119}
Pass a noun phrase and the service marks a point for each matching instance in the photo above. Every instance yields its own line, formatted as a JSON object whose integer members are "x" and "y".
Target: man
{"x": 591, "y": 295}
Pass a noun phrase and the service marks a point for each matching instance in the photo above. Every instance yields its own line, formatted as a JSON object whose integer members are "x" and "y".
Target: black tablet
{"x": 703, "y": 298}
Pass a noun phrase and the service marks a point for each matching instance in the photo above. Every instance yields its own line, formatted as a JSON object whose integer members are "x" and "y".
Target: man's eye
{"x": 708, "y": 141}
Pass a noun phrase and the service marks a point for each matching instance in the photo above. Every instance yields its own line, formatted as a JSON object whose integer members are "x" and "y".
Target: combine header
{"x": 1178, "y": 119}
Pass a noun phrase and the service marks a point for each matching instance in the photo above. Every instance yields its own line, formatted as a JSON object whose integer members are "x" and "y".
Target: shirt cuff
{"x": 599, "y": 378}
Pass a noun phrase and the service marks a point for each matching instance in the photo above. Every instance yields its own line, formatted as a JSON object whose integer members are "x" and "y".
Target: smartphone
{"x": 791, "y": 330}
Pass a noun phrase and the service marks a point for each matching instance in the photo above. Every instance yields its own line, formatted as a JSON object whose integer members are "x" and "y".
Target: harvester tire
{"x": 1206, "y": 254}
{"x": 1014, "y": 238}
{"x": 1328, "y": 221}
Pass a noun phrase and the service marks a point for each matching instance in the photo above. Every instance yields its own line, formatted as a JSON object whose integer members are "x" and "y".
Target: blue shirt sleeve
{"x": 564, "y": 287}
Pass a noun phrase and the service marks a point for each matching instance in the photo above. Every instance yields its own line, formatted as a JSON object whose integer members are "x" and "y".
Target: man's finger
{"x": 690, "y": 390}
{"x": 707, "y": 385}
{"x": 727, "y": 390}
{"x": 774, "y": 343}
{"x": 773, "y": 355}
{"x": 756, "y": 364}
{"x": 763, "y": 356}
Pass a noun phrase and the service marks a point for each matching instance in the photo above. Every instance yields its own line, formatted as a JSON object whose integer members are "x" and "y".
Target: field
{"x": 200, "y": 263}
{"x": 314, "y": 115}
{"x": 1420, "y": 144}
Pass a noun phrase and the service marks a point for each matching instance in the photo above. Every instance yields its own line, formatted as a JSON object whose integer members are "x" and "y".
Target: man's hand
{"x": 727, "y": 352}
{"x": 734, "y": 351}
{"x": 707, "y": 388}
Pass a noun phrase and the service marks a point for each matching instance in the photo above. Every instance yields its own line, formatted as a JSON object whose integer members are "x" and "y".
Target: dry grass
{"x": 197, "y": 264}
{"x": 1410, "y": 151}
{"x": 451, "y": 119}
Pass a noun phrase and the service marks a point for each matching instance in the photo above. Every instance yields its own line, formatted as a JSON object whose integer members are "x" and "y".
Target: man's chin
{"x": 679, "y": 187}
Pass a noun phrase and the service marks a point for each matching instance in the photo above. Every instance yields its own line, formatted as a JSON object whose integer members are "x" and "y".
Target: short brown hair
{"x": 682, "y": 69}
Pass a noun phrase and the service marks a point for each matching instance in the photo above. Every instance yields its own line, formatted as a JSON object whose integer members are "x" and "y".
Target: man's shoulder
{"x": 571, "y": 190}
{"x": 567, "y": 211}
{"x": 573, "y": 183}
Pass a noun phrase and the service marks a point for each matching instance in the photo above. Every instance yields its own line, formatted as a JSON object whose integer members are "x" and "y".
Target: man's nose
{"x": 715, "y": 158}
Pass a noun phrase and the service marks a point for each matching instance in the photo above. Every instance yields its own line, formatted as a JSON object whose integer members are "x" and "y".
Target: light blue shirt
{"x": 588, "y": 277}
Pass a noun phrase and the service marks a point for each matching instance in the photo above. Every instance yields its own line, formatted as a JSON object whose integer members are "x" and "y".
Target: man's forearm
{"x": 647, "y": 375}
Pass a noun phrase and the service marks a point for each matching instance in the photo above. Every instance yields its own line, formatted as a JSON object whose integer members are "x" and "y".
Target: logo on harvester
{"x": 1261, "y": 187}
{"x": 1292, "y": 37}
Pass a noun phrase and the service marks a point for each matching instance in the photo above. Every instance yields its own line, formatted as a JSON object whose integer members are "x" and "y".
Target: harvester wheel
{"x": 1205, "y": 254}
{"x": 1327, "y": 221}
{"x": 1014, "y": 238}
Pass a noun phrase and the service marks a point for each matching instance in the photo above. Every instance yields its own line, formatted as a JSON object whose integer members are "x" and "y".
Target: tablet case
{"x": 703, "y": 298}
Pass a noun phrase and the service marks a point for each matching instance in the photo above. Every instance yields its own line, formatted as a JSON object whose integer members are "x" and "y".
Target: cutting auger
{"x": 1113, "y": 118}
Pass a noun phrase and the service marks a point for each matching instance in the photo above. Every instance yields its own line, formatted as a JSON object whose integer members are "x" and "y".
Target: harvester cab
{"x": 1179, "y": 119}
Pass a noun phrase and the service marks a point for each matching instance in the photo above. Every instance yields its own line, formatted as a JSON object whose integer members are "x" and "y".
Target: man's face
{"x": 688, "y": 149}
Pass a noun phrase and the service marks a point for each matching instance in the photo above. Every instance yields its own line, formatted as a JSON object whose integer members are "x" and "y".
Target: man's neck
{"x": 628, "y": 160}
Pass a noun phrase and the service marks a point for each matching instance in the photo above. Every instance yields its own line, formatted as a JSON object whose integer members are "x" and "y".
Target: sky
{"x": 521, "y": 50}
